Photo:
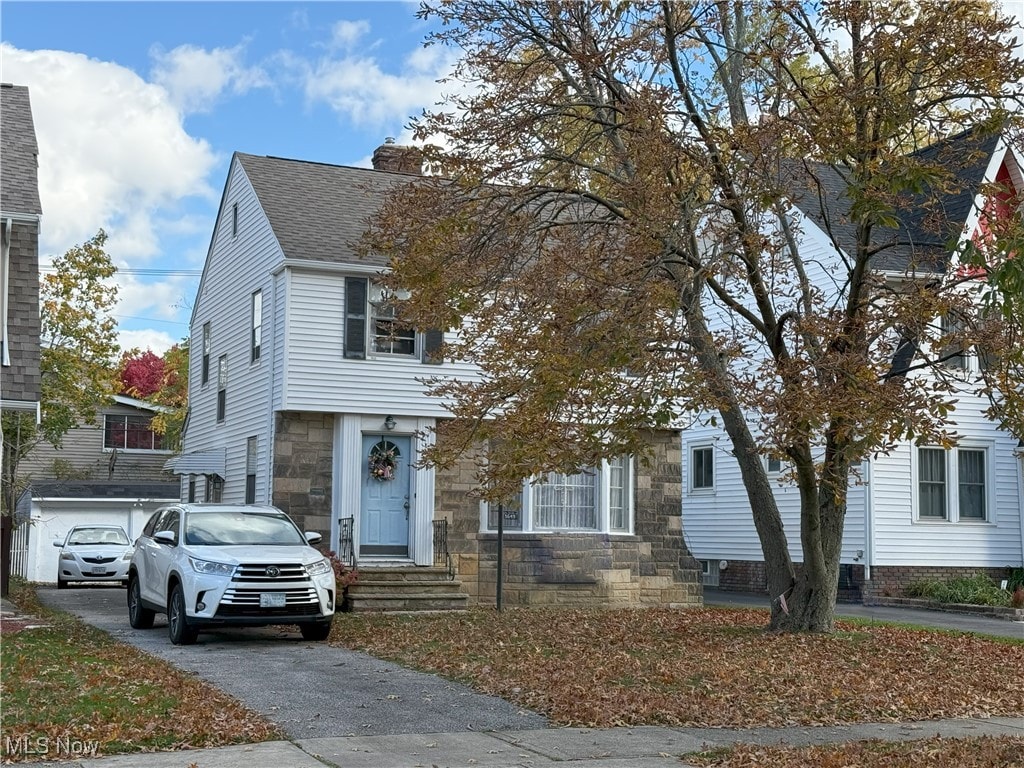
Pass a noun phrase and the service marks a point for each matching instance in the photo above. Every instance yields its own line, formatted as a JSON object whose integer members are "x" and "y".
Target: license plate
{"x": 272, "y": 600}
{"x": 99, "y": 570}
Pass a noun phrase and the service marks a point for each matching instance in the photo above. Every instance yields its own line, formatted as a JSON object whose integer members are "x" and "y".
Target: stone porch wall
{"x": 303, "y": 469}
{"x": 651, "y": 567}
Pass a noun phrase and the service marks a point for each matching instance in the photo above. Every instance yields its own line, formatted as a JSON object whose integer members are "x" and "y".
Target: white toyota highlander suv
{"x": 216, "y": 564}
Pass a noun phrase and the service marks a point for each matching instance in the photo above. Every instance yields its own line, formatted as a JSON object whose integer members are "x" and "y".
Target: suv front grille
{"x": 258, "y": 572}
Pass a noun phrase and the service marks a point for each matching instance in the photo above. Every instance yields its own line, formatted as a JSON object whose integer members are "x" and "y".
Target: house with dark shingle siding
{"x": 305, "y": 393}
{"x": 20, "y": 213}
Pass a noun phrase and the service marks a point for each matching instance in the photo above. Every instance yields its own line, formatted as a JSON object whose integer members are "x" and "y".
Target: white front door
{"x": 384, "y": 512}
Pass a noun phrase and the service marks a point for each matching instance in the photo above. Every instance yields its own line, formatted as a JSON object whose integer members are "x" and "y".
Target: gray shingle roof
{"x": 318, "y": 211}
{"x": 19, "y": 175}
{"x": 79, "y": 489}
{"x": 928, "y": 222}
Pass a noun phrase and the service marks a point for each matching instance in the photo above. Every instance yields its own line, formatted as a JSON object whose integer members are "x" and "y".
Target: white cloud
{"x": 195, "y": 77}
{"x": 156, "y": 341}
{"x": 112, "y": 151}
{"x": 345, "y": 34}
{"x": 357, "y": 87}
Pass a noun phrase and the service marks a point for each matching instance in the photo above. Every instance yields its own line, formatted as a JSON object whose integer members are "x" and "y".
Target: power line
{"x": 154, "y": 272}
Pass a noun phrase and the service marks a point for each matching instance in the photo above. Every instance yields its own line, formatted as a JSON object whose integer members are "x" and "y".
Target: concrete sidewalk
{"x": 642, "y": 747}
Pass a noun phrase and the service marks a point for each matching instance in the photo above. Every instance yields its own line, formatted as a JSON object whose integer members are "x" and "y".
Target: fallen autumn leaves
{"x": 69, "y": 682}
{"x": 703, "y": 667}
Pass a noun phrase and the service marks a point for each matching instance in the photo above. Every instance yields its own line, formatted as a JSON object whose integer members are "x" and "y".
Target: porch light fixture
{"x": 389, "y": 422}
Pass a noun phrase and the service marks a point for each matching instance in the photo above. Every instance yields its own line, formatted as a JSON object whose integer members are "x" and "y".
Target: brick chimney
{"x": 397, "y": 159}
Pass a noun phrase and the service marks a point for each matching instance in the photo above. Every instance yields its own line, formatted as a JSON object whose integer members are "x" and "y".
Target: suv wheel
{"x": 180, "y": 631}
{"x": 139, "y": 616}
{"x": 315, "y": 632}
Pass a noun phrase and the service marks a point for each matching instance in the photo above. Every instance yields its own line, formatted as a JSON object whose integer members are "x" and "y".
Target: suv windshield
{"x": 93, "y": 536}
{"x": 240, "y": 528}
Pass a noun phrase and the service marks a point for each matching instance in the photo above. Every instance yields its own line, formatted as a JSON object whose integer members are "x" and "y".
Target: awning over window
{"x": 210, "y": 462}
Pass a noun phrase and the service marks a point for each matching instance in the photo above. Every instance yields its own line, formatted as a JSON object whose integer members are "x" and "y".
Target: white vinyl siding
{"x": 237, "y": 268}
{"x": 316, "y": 376}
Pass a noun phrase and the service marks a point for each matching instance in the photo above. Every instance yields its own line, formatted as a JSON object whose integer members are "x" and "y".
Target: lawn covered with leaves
{"x": 70, "y": 681}
{"x": 701, "y": 667}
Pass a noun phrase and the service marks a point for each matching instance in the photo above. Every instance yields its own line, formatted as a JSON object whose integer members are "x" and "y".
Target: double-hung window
{"x": 702, "y": 468}
{"x": 256, "y": 327}
{"x": 595, "y": 500}
{"x": 222, "y": 387}
{"x": 953, "y": 484}
{"x": 207, "y": 342}
{"x": 372, "y": 326}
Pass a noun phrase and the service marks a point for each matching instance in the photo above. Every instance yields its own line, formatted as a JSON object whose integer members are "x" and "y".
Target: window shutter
{"x": 432, "y": 341}
{"x": 355, "y": 317}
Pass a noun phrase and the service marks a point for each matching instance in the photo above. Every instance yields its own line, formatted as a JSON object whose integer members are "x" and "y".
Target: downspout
{"x": 5, "y": 271}
{"x": 869, "y": 523}
{"x": 1020, "y": 496}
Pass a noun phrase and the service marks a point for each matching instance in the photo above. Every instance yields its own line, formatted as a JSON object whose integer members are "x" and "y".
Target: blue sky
{"x": 139, "y": 105}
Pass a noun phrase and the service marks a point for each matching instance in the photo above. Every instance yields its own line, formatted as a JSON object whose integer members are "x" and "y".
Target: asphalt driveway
{"x": 310, "y": 690}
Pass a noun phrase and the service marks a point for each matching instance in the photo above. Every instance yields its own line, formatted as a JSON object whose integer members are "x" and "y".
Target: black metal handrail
{"x": 441, "y": 554}
{"x": 346, "y": 541}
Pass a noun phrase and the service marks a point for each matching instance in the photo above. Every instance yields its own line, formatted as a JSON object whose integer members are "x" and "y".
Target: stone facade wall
{"x": 651, "y": 567}
{"x": 21, "y": 378}
{"x": 303, "y": 469}
{"x": 892, "y": 580}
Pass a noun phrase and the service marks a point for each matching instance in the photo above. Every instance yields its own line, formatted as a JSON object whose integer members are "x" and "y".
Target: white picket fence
{"x": 19, "y": 550}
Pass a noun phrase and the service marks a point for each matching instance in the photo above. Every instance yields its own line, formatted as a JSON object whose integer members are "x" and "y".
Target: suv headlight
{"x": 319, "y": 568}
{"x": 211, "y": 568}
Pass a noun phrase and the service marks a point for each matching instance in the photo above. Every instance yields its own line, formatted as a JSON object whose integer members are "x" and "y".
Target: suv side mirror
{"x": 58, "y": 544}
{"x": 166, "y": 537}
{"x": 313, "y": 537}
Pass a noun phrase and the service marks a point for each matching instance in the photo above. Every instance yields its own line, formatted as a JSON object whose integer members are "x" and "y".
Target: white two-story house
{"x": 305, "y": 393}
{"x": 919, "y": 511}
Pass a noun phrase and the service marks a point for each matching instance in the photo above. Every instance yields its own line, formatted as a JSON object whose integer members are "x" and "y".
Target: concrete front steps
{"x": 404, "y": 589}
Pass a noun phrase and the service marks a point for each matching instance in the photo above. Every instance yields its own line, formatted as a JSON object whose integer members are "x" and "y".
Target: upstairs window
{"x": 234, "y": 219}
{"x": 387, "y": 335}
{"x": 222, "y": 386}
{"x": 206, "y": 353}
{"x": 952, "y": 354}
{"x": 256, "y": 335}
{"x": 130, "y": 433}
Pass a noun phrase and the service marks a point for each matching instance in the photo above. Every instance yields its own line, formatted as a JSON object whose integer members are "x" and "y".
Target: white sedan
{"x": 98, "y": 553}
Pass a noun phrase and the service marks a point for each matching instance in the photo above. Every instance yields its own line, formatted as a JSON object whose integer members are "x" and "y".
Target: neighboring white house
{"x": 918, "y": 512}
{"x": 107, "y": 473}
{"x": 304, "y": 393}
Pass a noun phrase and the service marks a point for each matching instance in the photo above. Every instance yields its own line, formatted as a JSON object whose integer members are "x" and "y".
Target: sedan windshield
{"x": 94, "y": 536}
{"x": 240, "y": 528}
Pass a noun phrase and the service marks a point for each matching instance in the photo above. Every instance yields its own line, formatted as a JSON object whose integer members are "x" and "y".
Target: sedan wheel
{"x": 139, "y": 616}
{"x": 178, "y": 627}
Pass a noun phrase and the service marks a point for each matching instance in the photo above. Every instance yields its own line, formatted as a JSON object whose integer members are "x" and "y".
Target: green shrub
{"x": 975, "y": 590}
